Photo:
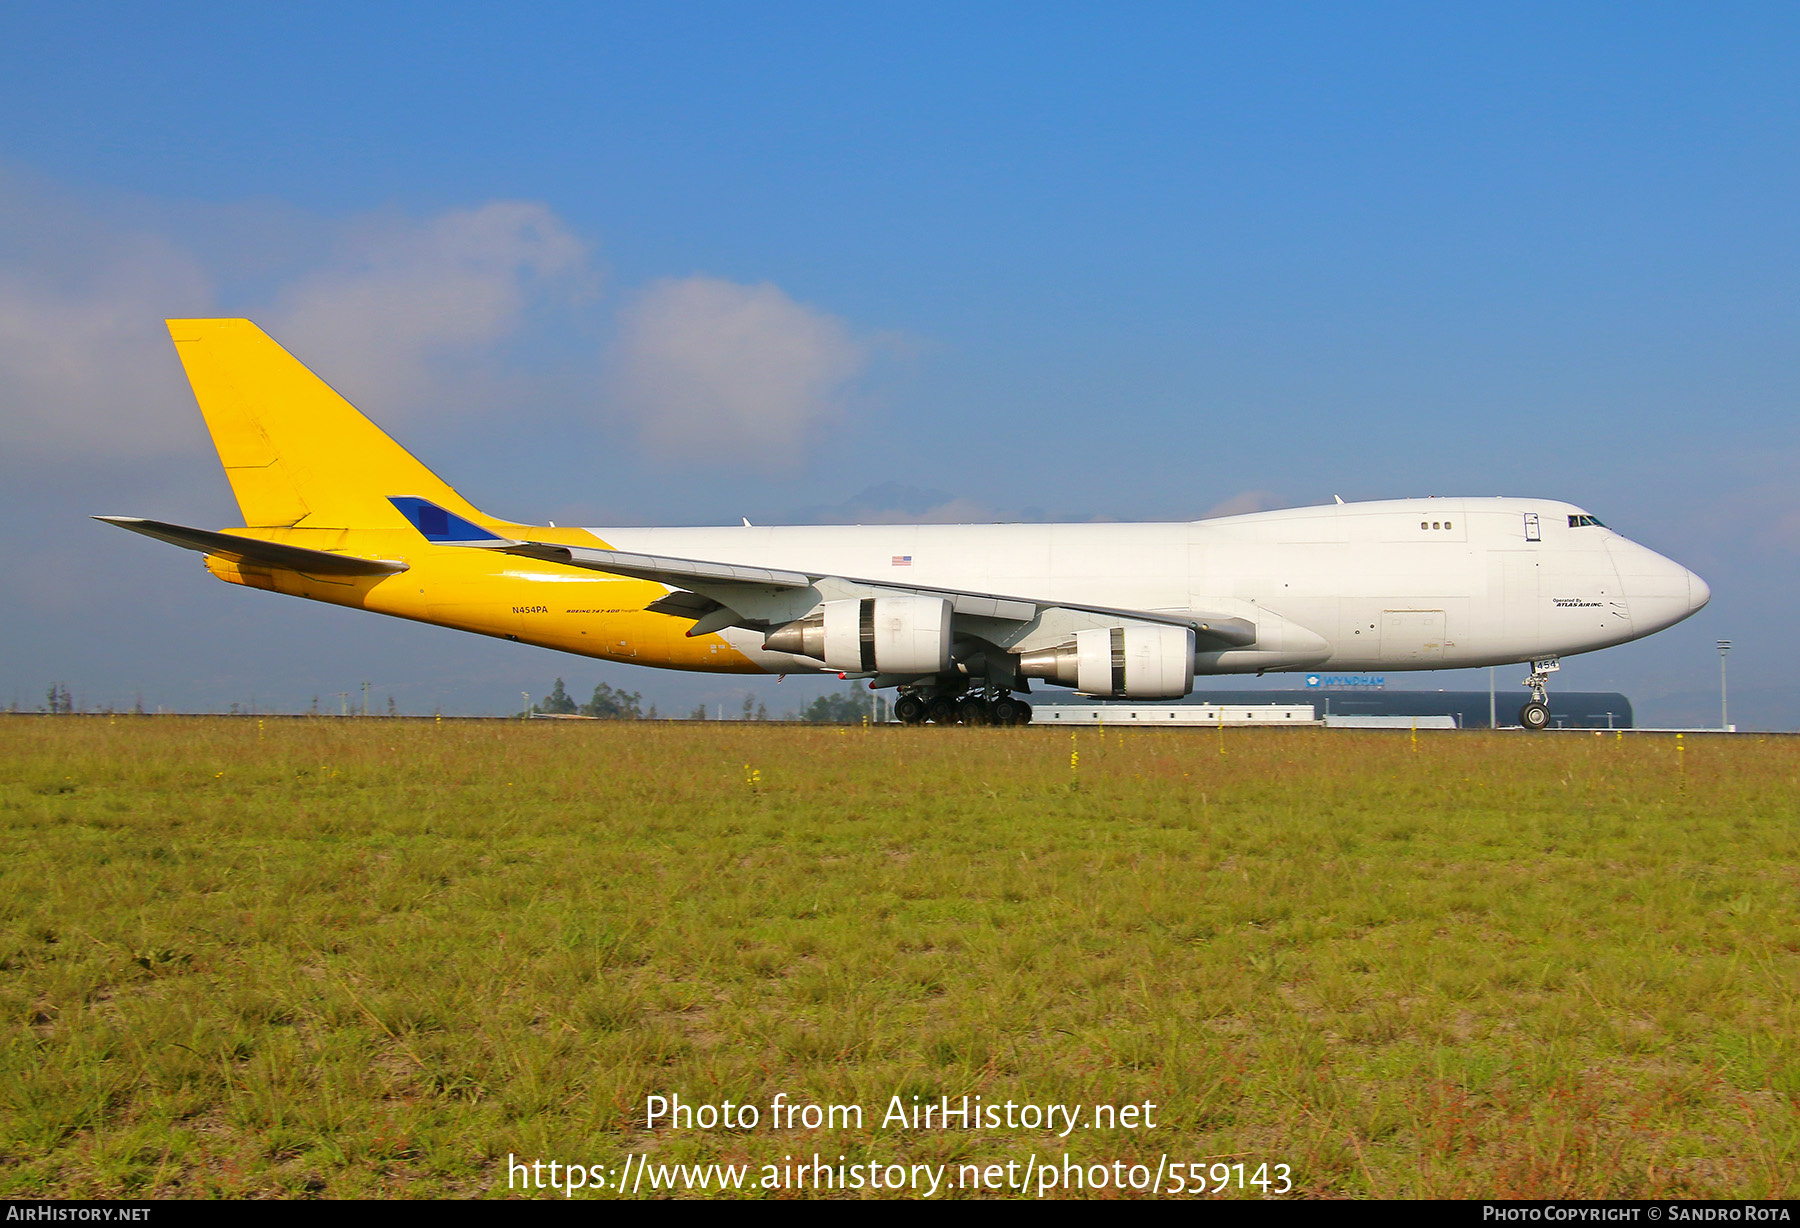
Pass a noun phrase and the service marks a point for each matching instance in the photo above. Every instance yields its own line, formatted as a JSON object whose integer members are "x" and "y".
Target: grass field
{"x": 377, "y": 957}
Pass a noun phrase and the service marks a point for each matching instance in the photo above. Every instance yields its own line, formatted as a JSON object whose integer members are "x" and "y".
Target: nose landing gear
{"x": 1535, "y": 714}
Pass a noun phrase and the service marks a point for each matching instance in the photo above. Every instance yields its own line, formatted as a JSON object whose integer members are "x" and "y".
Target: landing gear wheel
{"x": 1004, "y": 711}
{"x": 941, "y": 710}
{"x": 971, "y": 710}
{"x": 1024, "y": 717}
{"x": 1535, "y": 714}
{"x": 909, "y": 710}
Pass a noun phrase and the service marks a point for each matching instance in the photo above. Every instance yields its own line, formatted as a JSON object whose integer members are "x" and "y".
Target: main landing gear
{"x": 968, "y": 708}
{"x": 1535, "y": 715}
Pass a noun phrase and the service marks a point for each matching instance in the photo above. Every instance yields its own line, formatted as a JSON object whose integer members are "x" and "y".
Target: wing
{"x": 719, "y": 595}
{"x": 836, "y": 620}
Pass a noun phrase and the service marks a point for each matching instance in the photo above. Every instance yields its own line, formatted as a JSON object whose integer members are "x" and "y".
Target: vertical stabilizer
{"x": 296, "y": 453}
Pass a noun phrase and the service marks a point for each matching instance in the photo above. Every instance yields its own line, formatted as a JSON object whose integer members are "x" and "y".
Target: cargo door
{"x": 1412, "y": 637}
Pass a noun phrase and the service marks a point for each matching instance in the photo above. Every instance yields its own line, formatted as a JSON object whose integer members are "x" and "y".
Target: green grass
{"x": 377, "y": 957}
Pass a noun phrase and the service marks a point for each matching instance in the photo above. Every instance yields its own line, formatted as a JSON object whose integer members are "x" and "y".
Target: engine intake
{"x": 1143, "y": 662}
{"x": 892, "y": 635}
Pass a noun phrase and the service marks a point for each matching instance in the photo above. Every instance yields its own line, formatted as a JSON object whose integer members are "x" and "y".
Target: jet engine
{"x": 1141, "y": 662}
{"x": 892, "y": 635}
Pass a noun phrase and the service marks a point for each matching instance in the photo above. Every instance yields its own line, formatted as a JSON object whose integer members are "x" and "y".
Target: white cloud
{"x": 398, "y": 318}
{"x": 712, "y": 370}
{"x": 85, "y": 361}
{"x": 400, "y": 315}
{"x": 405, "y": 303}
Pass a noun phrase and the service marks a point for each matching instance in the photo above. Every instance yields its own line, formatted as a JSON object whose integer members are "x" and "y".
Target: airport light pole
{"x": 1724, "y": 718}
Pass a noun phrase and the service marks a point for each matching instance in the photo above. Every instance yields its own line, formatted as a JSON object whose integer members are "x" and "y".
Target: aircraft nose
{"x": 1699, "y": 593}
{"x": 1661, "y": 592}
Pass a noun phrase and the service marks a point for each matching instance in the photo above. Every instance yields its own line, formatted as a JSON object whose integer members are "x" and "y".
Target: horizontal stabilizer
{"x": 250, "y": 550}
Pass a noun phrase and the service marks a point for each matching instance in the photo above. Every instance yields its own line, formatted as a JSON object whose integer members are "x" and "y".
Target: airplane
{"x": 959, "y": 619}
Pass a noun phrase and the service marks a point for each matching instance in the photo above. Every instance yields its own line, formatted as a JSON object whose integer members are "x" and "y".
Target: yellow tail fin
{"x": 296, "y": 453}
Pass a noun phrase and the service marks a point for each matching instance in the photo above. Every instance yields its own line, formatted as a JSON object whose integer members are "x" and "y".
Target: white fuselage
{"x": 1401, "y": 584}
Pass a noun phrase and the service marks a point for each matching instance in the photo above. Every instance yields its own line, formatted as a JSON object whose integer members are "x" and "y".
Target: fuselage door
{"x": 1511, "y": 612}
{"x": 1412, "y": 636}
{"x": 1532, "y": 532}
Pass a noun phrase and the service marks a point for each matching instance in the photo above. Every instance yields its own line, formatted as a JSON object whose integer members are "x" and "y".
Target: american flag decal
{"x": 903, "y": 560}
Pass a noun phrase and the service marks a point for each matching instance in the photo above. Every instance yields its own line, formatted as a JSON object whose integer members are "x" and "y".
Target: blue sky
{"x": 1019, "y": 262}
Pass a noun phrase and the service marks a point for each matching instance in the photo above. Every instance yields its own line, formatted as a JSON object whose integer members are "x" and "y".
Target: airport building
{"x": 1349, "y": 707}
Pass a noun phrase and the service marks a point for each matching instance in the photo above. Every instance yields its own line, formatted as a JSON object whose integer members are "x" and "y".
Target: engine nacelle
{"x": 1142, "y": 662}
{"x": 890, "y": 635}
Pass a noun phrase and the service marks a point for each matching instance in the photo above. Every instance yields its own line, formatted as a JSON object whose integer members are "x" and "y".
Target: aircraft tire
{"x": 1004, "y": 711}
{"x": 1534, "y": 716}
{"x": 909, "y": 710}
{"x": 941, "y": 711}
{"x": 972, "y": 711}
{"x": 1024, "y": 717}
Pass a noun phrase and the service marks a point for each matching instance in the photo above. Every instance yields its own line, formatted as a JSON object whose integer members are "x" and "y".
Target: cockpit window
{"x": 1582, "y": 522}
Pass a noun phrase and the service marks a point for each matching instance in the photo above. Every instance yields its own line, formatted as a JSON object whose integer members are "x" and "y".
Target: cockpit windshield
{"x": 1582, "y": 522}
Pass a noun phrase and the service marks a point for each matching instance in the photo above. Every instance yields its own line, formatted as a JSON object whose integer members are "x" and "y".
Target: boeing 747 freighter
{"x": 960, "y": 619}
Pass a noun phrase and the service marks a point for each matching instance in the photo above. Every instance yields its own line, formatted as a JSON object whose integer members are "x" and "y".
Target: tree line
{"x": 609, "y": 704}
